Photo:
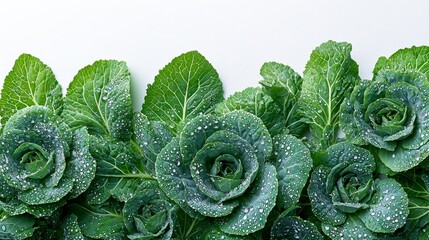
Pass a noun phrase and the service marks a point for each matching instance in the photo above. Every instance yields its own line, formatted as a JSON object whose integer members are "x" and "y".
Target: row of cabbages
{"x": 266, "y": 162}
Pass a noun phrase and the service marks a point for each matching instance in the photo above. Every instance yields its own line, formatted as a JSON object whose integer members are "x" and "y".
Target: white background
{"x": 236, "y": 36}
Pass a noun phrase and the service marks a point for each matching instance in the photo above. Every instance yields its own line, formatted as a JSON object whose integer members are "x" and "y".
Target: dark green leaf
{"x": 252, "y": 213}
{"x": 289, "y": 228}
{"x": 388, "y": 207}
{"x": 151, "y": 137}
{"x": 293, "y": 163}
{"x": 16, "y": 227}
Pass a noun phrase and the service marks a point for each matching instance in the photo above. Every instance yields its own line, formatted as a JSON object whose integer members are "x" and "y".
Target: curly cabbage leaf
{"x": 347, "y": 198}
{"x": 255, "y": 101}
{"x": 391, "y": 111}
{"x": 216, "y": 167}
{"x": 151, "y": 137}
{"x": 148, "y": 214}
{"x": 119, "y": 169}
{"x": 283, "y": 85}
{"x": 36, "y": 164}
{"x": 290, "y": 227}
{"x": 293, "y": 162}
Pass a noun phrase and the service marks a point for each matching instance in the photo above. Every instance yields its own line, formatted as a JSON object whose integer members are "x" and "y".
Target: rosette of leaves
{"x": 42, "y": 163}
{"x": 349, "y": 201}
{"x": 38, "y": 154}
{"x": 149, "y": 214}
{"x": 391, "y": 111}
{"x": 140, "y": 213}
{"x": 219, "y": 167}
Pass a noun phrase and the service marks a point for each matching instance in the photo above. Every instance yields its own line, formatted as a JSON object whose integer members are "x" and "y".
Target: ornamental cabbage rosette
{"x": 148, "y": 214}
{"x": 391, "y": 112}
{"x": 349, "y": 201}
{"x": 217, "y": 167}
{"x": 42, "y": 164}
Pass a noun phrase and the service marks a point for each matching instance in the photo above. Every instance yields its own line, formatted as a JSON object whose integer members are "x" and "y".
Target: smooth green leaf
{"x": 329, "y": 78}
{"x": 293, "y": 162}
{"x": 99, "y": 98}
{"x": 416, "y": 184}
{"x": 283, "y": 84}
{"x": 17, "y": 227}
{"x": 185, "y": 88}
{"x": 255, "y": 101}
{"x": 29, "y": 83}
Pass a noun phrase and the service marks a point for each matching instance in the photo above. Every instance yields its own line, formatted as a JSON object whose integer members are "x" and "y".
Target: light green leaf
{"x": 287, "y": 227}
{"x": 255, "y": 206}
{"x": 293, "y": 162}
{"x": 99, "y": 98}
{"x": 414, "y": 58}
{"x": 185, "y": 88}
{"x": 29, "y": 83}
{"x": 329, "y": 78}
{"x": 16, "y": 227}
{"x": 283, "y": 84}
{"x": 388, "y": 207}
{"x": 255, "y": 101}
{"x": 151, "y": 138}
